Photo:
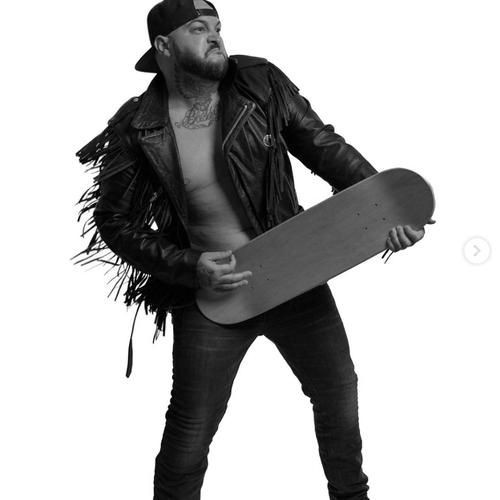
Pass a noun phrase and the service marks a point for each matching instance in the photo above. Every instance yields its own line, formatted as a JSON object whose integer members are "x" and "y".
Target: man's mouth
{"x": 215, "y": 50}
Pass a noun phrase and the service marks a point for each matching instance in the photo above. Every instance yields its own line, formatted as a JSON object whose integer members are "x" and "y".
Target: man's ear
{"x": 163, "y": 45}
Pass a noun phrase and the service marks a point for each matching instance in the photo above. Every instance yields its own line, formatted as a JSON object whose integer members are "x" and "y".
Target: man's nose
{"x": 214, "y": 37}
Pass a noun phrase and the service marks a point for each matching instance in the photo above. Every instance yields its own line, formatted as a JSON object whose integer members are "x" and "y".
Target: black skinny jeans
{"x": 308, "y": 332}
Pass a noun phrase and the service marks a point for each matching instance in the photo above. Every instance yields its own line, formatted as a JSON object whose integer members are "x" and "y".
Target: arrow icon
{"x": 477, "y": 250}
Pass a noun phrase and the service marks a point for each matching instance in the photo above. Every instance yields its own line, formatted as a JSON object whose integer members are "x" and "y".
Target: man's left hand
{"x": 401, "y": 237}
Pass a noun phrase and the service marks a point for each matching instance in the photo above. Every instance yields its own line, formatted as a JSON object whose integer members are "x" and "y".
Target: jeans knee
{"x": 188, "y": 434}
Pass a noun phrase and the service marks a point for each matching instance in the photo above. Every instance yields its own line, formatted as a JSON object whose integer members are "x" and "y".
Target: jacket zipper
{"x": 247, "y": 110}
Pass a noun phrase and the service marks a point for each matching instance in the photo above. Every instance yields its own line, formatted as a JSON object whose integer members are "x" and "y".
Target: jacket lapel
{"x": 158, "y": 142}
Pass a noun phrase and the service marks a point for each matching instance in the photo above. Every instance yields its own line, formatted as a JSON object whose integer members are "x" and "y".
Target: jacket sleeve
{"x": 321, "y": 149}
{"x": 121, "y": 224}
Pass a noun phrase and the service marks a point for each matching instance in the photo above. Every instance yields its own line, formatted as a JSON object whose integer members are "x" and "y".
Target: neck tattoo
{"x": 203, "y": 112}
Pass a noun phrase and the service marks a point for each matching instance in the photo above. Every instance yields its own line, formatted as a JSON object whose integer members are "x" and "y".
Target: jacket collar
{"x": 153, "y": 109}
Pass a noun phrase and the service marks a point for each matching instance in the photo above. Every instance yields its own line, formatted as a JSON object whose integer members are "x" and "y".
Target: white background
{"x": 410, "y": 84}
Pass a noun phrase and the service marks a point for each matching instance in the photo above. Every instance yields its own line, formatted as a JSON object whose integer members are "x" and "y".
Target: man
{"x": 189, "y": 171}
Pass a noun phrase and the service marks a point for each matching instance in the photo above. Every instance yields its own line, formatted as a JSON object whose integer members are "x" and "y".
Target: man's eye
{"x": 199, "y": 28}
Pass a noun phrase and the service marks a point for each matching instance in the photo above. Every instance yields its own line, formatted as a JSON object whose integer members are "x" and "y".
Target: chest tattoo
{"x": 202, "y": 113}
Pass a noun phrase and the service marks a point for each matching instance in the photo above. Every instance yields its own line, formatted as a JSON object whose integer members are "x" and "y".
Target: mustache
{"x": 215, "y": 46}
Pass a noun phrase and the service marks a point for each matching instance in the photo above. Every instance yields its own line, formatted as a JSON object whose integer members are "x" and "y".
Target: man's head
{"x": 185, "y": 33}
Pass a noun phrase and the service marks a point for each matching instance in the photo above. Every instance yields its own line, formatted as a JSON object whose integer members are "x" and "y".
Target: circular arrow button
{"x": 477, "y": 250}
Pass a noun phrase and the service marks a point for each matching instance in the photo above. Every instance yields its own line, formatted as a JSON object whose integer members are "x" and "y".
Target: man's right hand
{"x": 215, "y": 271}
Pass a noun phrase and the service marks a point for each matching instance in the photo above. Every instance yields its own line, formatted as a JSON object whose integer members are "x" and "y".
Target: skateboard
{"x": 320, "y": 243}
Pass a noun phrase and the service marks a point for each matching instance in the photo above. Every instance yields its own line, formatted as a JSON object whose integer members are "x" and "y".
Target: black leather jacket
{"x": 137, "y": 204}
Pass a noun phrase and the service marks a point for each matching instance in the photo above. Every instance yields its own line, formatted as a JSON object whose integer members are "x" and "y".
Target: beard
{"x": 213, "y": 70}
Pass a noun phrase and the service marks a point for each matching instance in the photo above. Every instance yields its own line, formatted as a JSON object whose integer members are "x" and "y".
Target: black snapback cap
{"x": 164, "y": 18}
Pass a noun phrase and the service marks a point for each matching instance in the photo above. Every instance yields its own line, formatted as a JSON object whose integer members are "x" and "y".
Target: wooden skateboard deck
{"x": 320, "y": 243}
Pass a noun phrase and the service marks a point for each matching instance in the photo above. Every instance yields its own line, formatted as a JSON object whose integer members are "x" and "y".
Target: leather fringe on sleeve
{"x": 105, "y": 157}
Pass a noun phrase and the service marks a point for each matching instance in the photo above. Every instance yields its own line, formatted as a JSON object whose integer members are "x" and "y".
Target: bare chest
{"x": 200, "y": 155}
{"x": 215, "y": 212}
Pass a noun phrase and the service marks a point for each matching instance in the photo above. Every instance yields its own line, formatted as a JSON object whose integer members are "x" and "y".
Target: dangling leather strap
{"x": 130, "y": 349}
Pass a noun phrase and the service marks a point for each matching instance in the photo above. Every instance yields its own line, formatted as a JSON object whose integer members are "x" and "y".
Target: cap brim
{"x": 147, "y": 63}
